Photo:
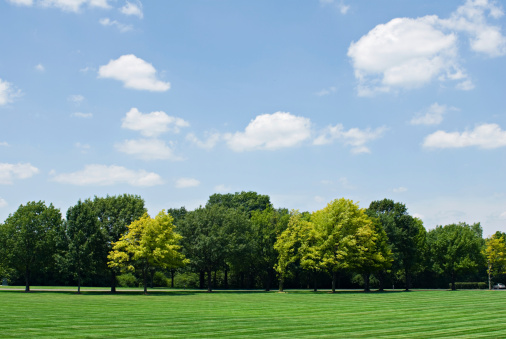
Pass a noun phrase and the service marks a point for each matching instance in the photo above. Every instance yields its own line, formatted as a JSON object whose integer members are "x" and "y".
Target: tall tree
{"x": 406, "y": 235}
{"x": 495, "y": 254}
{"x": 115, "y": 213}
{"x": 148, "y": 243}
{"x": 455, "y": 249}
{"x": 86, "y": 241}
{"x": 30, "y": 237}
{"x": 248, "y": 201}
{"x": 211, "y": 235}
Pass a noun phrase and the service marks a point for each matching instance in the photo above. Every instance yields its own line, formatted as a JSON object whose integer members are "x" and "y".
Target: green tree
{"x": 29, "y": 238}
{"x": 211, "y": 235}
{"x": 148, "y": 243}
{"x": 115, "y": 213}
{"x": 495, "y": 254}
{"x": 248, "y": 201}
{"x": 455, "y": 249}
{"x": 406, "y": 235}
{"x": 86, "y": 241}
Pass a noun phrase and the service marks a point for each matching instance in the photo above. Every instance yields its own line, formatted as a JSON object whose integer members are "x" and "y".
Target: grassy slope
{"x": 419, "y": 314}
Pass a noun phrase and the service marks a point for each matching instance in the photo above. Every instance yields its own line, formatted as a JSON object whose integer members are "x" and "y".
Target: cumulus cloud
{"x": 408, "y": 53}
{"x": 10, "y": 172}
{"x": 4, "y": 143}
{"x": 271, "y": 132}
{"x": 210, "y": 142}
{"x": 432, "y": 116}
{"x": 120, "y": 26}
{"x": 3, "y": 203}
{"x": 134, "y": 72}
{"x": 484, "y": 136}
{"x": 103, "y": 175}
{"x": 21, "y": 2}
{"x": 187, "y": 182}
{"x": 40, "y": 68}
{"x": 82, "y": 115}
{"x": 74, "y": 5}
{"x": 147, "y": 149}
{"x": 354, "y": 137}
{"x": 134, "y": 9}
{"x": 7, "y": 92}
{"x": 326, "y": 91}
{"x": 152, "y": 124}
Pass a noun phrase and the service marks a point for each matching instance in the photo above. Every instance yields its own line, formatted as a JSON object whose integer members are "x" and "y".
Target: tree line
{"x": 241, "y": 241}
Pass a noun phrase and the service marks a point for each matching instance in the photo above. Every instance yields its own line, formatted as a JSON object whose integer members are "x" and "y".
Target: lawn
{"x": 95, "y": 314}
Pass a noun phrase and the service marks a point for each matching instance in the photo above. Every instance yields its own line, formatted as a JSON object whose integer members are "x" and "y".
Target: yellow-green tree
{"x": 495, "y": 253}
{"x": 148, "y": 243}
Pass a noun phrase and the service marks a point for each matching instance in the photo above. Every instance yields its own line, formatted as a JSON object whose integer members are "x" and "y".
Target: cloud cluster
{"x": 408, "y": 53}
{"x": 67, "y": 5}
{"x": 147, "y": 149}
{"x": 134, "y": 72}
{"x": 9, "y": 172}
{"x": 432, "y": 116}
{"x": 7, "y": 92}
{"x": 271, "y": 132}
{"x": 152, "y": 124}
{"x": 354, "y": 137}
{"x": 187, "y": 182}
{"x": 102, "y": 175}
{"x": 484, "y": 136}
{"x": 134, "y": 9}
{"x": 115, "y": 23}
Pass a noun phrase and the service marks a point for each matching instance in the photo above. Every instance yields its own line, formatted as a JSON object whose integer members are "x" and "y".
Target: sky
{"x": 305, "y": 101}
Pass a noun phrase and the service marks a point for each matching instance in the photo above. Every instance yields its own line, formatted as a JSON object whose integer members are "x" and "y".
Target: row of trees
{"x": 240, "y": 240}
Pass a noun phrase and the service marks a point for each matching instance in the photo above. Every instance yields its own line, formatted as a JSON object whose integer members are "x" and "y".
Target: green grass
{"x": 181, "y": 314}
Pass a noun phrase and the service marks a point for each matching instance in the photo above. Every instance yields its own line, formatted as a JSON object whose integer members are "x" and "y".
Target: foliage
{"x": 127, "y": 280}
{"x": 28, "y": 239}
{"x": 469, "y": 285}
{"x": 495, "y": 255}
{"x": 455, "y": 249}
{"x": 186, "y": 280}
{"x": 247, "y": 201}
{"x": 148, "y": 243}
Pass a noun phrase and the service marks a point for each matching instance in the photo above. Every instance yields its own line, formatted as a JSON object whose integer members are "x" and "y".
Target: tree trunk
{"x": 489, "y": 278}
{"x": 314, "y": 282}
{"x": 381, "y": 278}
{"x": 407, "y": 278}
{"x": 215, "y": 282}
{"x": 27, "y": 280}
{"x": 79, "y": 284}
{"x": 209, "y": 287}
{"x": 334, "y": 278}
{"x": 268, "y": 281}
{"x": 172, "y": 278}
{"x": 152, "y": 276}
{"x": 453, "y": 281}
{"x": 226, "y": 278}
{"x": 113, "y": 281}
{"x": 145, "y": 280}
{"x": 281, "y": 281}
{"x": 366, "y": 282}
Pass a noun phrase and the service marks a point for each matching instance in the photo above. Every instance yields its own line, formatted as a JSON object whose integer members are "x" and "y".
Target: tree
{"x": 86, "y": 241}
{"x": 455, "y": 249}
{"x": 29, "y": 238}
{"x": 406, "y": 235}
{"x": 213, "y": 234}
{"x": 115, "y": 213}
{"x": 248, "y": 201}
{"x": 148, "y": 243}
{"x": 495, "y": 254}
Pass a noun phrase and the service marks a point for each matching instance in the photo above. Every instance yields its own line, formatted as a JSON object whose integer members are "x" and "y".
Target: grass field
{"x": 296, "y": 314}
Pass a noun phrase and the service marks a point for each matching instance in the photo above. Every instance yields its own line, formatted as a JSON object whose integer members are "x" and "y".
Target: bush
{"x": 470, "y": 286}
{"x": 186, "y": 280}
{"x": 160, "y": 280}
{"x": 127, "y": 280}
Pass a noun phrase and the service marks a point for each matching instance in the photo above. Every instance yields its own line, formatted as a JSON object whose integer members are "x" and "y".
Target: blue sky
{"x": 305, "y": 101}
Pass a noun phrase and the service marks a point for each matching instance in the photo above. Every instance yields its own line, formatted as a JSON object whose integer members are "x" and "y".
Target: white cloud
{"x": 121, "y": 27}
{"x": 103, "y": 175}
{"x": 4, "y": 143}
{"x": 271, "y": 132}
{"x": 152, "y": 124}
{"x": 408, "y": 53}
{"x": 7, "y": 92}
{"x": 222, "y": 189}
{"x": 82, "y": 115}
{"x": 3, "y": 203}
{"x": 9, "y": 172}
{"x": 354, "y": 137}
{"x": 84, "y": 148}
{"x": 400, "y": 189}
{"x": 74, "y": 5}
{"x": 484, "y": 136}
{"x": 432, "y": 116}
{"x": 134, "y": 72}
{"x": 209, "y": 143}
{"x": 77, "y": 98}
{"x": 343, "y": 9}
{"x": 40, "y": 68}
{"x": 21, "y": 2}
{"x": 147, "y": 149}
{"x": 132, "y": 9}
{"x": 326, "y": 91}
{"x": 187, "y": 182}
